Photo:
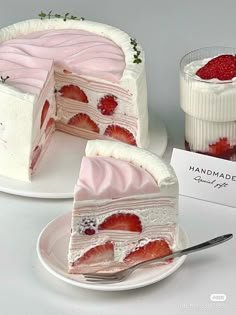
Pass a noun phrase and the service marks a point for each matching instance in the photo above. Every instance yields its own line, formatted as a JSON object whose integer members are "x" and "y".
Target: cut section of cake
{"x": 125, "y": 208}
{"x": 79, "y": 77}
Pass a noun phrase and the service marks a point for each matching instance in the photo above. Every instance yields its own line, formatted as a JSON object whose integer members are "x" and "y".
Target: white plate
{"x": 59, "y": 168}
{"x": 52, "y": 246}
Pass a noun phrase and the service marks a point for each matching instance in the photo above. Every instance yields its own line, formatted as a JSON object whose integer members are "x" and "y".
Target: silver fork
{"x": 103, "y": 278}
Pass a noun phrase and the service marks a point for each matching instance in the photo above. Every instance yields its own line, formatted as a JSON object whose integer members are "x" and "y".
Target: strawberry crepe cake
{"x": 79, "y": 77}
{"x": 125, "y": 208}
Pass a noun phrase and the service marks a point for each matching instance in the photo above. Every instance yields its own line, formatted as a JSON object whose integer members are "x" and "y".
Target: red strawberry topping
{"x": 35, "y": 156}
{"x": 122, "y": 221}
{"x": 120, "y": 133}
{"x": 83, "y": 121}
{"x": 222, "y": 68}
{"x": 219, "y": 147}
{"x": 44, "y": 112}
{"x": 73, "y": 92}
{"x": 98, "y": 254}
{"x": 153, "y": 249}
{"x": 107, "y": 104}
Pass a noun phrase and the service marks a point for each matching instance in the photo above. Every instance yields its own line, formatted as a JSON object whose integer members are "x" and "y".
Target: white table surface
{"x": 26, "y": 288}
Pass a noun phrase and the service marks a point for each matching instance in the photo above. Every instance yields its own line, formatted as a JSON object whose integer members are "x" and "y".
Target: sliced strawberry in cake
{"x": 83, "y": 121}
{"x": 44, "y": 112}
{"x": 120, "y": 133}
{"x": 107, "y": 104}
{"x": 73, "y": 92}
{"x": 151, "y": 250}
{"x": 122, "y": 221}
{"x": 97, "y": 255}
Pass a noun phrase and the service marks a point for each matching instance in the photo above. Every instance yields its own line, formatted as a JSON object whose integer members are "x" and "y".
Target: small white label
{"x": 218, "y": 297}
{"x": 204, "y": 177}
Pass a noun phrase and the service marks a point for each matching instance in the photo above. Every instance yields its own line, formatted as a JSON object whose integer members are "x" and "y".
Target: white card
{"x": 205, "y": 177}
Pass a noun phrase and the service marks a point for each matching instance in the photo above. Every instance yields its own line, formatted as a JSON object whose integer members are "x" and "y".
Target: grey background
{"x": 167, "y": 30}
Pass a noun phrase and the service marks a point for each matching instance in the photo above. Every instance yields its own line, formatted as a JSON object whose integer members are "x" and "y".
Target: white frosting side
{"x": 212, "y": 100}
{"x": 16, "y": 132}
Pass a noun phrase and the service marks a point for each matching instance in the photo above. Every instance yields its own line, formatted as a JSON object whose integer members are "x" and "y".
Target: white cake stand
{"x": 59, "y": 169}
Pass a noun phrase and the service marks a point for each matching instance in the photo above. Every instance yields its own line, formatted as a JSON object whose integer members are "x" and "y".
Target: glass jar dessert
{"x": 208, "y": 98}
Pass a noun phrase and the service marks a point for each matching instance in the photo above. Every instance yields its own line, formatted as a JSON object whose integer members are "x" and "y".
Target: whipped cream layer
{"x": 110, "y": 178}
{"x": 212, "y": 100}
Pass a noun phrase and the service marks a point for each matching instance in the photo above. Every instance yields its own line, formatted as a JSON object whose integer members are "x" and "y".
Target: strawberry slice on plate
{"x": 122, "y": 221}
{"x": 153, "y": 249}
{"x": 83, "y": 121}
{"x": 120, "y": 133}
{"x": 107, "y": 104}
{"x": 98, "y": 254}
{"x": 44, "y": 112}
{"x": 35, "y": 156}
{"x": 222, "y": 67}
{"x": 74, "y": 92}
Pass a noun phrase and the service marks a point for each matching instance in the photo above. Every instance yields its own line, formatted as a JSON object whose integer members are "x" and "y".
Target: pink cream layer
{"x": 78, "y": 51}
{"x": 110, "y": 178}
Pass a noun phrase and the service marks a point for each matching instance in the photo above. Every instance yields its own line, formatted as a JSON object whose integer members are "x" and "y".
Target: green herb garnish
{"x": 65, "y": 17}
{"x": 3, "y": 80}
{"x": 134, "y": 43}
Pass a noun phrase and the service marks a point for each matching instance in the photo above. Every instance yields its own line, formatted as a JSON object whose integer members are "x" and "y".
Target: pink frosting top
{"x": 79, "y": 51}
{"x": 110, "y": 178}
